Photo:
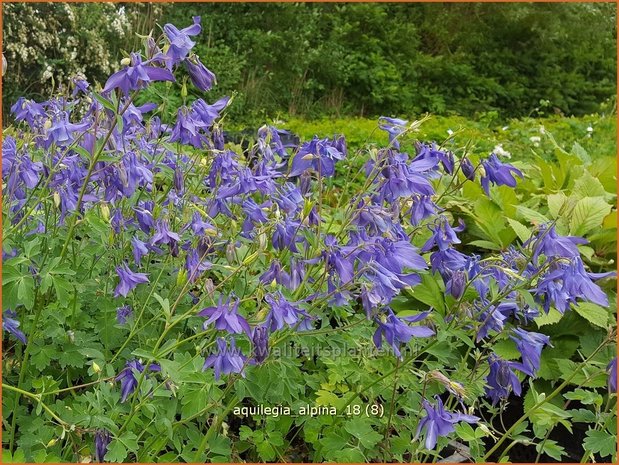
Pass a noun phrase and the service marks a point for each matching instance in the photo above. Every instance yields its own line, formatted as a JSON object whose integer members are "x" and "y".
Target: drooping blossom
{"x": 227, "y": 359}
{"x": 102, "y": 441}
{"x": 498, "y": 173}
{"x": 612, "y": 375}
{"x": 127, "y": 377}
{"x": 200, "y": 75}
{"x": 438, "y": 422}
{"x": 396, "y": 332}
{"x": 502, "y": 380}
{"x": 10, "y": 324}
{"x": 282, "y": 313}
{"x": 180, "y": 43}
{"x": 123, "y": 313}
{"x": 260, "y": 340}
{"x": 530, "y": 346}
{"x": 226, "y": 317}
{"x": 128, "y": 280}
{"x": 136, "y": 75}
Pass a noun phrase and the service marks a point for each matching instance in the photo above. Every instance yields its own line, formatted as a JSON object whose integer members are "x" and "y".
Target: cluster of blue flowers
{"x": 212, "y": 190}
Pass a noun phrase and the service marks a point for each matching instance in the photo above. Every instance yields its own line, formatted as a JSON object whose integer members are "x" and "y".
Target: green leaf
{"x": 593, "y": 313}
{"x": 551, "y": 448}
{"x": 553, "y": 316}
{"x": 588, "y": 214}
{"x": 25, "y": 291}
{"x": 601, "y": 442}
{"x": 362, "y": 430}
{"x": 588, "y": 185}
{"x": 485, "y": 245}
{"x": 520, "y": 229}
{"x": 116, "y": 451}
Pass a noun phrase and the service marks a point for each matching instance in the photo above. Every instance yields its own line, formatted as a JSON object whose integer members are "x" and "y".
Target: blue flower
{"x": 11, "y": 325}
{"x": 128, "y": 280}
{"x": 102, "y": 440}
{"x": 284, "y": 313}
{"x": 260, "y": 341}
{"x": 123, "y": 313}
{"x": 226, "y": 317}
{"x": 319, "y": 155}
{"x": 612, "y": 375}
{"x": 136, "y": 76}
{"x": 438, "y": 422}
{"x": 139, "y": 249}
{"x": 497, "y": 173}
{"x": 443, "y": 235}
{"x": 394, "y": 127}
{"x": 502, "y": 380}
{"x": 226, "y": 360}
{"x": 180, "y": 43}
{"x": 551, "y": 244}
{"x": 467, "y": 169}
{"x": 396, "y": 332}
{"x": 530, "y": 346}
{"x": 127, "y": 377}
{"x": 199, "y": 74}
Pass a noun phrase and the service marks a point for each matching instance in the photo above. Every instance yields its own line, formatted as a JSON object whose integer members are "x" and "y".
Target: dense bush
{"x": 168, "y": 297}
{"x": 316, "y": 59}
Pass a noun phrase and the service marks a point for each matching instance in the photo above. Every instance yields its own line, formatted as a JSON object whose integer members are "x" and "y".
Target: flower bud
{"x": 467, "y": 169}
{"x": 231, "y": 253}
{"x": 260, "y": 342}
{"x": 125, "y": 61}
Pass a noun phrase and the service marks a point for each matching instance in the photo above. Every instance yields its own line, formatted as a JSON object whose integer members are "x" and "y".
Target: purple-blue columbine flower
{"x": 127, "y": 377}
{"x": 497, "y": 173}
{"x": 11, "y": 325}
{"x": 443, "y": 235}
{"x": 530, "y": 346}
{"x": 62, "y": 131}
{"x": 456, "y": 284}
{"x": 438, "y": 422}
{"x": 467, "y": 169}
{"x": 200, "y": 75}
{"x": 128, "y": 280}
{"x": 180, "y": 43}
{"x": 123, "y": 313}
{"x": 612, "y": 375}
{"x": 226, "y": 360}
{"x": 102, "y": 440}
{"x": 547, "y": 242}
{"x": 226, "y": 317}
{"x": 319, "y": 155}
{"x": 163, "y": 235}
{"x": 28, "y": 110}
{"x": 284, "y": 313}
{"x": 394, "y": 127}
{"x": 139, "y": 249}
{"x": 136, "y": 76}
{"x": 502, "y": 380}
{"x": 260, "y": 340}
{"x": 396, "y": 332}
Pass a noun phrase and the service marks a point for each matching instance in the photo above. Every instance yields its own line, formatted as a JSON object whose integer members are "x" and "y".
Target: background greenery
{"x": 315, "y": 60}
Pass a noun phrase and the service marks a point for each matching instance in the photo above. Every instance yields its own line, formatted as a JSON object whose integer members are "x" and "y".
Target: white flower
{"x": 504, "y": 128}
{"x": 542, "y": 130}
{"x": 501, "y": 152}
{"x": 450, "y": 132}
{"x": 589, "y": 129}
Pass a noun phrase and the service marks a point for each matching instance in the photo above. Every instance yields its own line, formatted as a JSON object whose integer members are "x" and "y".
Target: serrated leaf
{"x": 593, "y": 313}
{"x": 588, "y": 185}
{"x": 116, "y": 451}
{"x": 520, "y": 229}
{"x": 362, "y": 430}
{"x": 601, "y": 442}
{"x": 552, "y": 317}
{"x": 588, "y": 214}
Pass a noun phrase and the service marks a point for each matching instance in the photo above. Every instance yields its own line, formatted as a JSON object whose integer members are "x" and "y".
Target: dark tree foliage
{"x": 315, "y": 59}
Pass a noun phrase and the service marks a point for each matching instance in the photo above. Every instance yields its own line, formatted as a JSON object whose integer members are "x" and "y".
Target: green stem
{"x": 36, "y": 397}
{"x": 554, "y": 393}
